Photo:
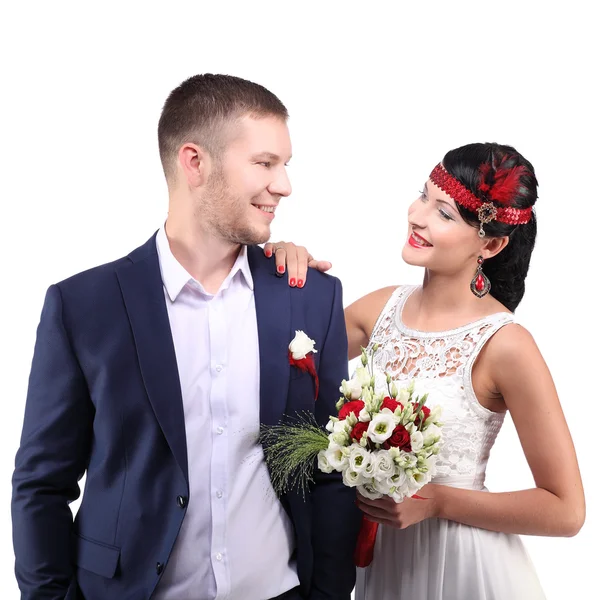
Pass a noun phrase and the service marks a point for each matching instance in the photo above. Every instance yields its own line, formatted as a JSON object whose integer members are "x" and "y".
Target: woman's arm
{"x": 361, "y": 317}
{"x": 556, "y": 506}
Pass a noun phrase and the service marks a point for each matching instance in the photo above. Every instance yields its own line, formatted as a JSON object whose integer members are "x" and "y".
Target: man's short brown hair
{"x": 199, "y": 109}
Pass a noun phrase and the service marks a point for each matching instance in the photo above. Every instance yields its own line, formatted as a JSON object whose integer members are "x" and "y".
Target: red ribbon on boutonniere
{"x": 300, "y": 352}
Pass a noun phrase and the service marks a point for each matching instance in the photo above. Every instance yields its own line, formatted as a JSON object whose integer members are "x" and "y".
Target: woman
{"x": 473, "y": 230}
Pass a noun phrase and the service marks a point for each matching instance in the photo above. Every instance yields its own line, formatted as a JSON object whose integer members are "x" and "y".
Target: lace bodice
{"x": 441, "y": 364}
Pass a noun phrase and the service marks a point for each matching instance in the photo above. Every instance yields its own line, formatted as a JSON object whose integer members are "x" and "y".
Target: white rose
{"x": 301, "y": 345}
{"x": 336, "y": 457}
{"x": 352, "y": 389}
{"x": 383, "y": 465}
{"x": 416, "y": 441}
{"x": 351, "y": 478}
{"x": 381, "y": 427}
{"x": 368, "y": 491}
{"x": 359, "y": 458}
{"x": 323, "y": 463}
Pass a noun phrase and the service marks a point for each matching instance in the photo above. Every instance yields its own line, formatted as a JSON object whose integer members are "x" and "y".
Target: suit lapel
{"x": 273, "y": 315}
{"x": 142, "y": 289}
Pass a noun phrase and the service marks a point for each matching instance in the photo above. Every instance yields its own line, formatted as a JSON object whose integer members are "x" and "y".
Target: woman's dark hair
{"x": 508, "y": 269}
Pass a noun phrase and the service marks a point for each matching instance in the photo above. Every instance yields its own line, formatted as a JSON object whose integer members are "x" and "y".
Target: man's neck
{"x": 207, "y": 258}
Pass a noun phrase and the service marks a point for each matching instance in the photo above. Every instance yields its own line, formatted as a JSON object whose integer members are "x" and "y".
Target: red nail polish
{"x": 281, "y": 269}
{"x": 269, "y": 254}
{"x": 300, "y": 283}
{"x": 292, "y": 282}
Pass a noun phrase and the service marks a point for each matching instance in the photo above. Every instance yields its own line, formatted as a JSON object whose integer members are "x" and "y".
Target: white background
{"x": 377, "y": 94}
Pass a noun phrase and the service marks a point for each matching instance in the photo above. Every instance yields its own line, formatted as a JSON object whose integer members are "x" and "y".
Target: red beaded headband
{"x": 486, "y": 211}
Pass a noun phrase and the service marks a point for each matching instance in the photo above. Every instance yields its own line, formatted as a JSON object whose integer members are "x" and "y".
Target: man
{"x": 153, "y": 373}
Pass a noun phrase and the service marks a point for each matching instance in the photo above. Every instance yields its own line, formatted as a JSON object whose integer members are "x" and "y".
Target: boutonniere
{"x": 301, "y": 350}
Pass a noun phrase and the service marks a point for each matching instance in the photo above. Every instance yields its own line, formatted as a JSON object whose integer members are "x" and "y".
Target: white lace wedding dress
{"x": 438, "y": 559}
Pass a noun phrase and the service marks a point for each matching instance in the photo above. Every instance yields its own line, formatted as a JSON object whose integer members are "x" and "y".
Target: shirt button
{"x": 182, "y": 501}
{"x": 220, "y": 430}
{"x": 219, "y": 368}
{"x": 219, "y": 494}
{"x": 219, "y": 556}
{"x": 159, "y": 568}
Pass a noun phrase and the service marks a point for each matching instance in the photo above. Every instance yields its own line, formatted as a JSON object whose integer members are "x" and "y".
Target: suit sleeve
{"x": 51, "y": 459}
{"x": 335, "y": 517}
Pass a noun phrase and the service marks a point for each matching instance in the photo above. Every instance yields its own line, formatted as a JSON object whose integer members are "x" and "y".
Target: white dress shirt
{"x": 236, "y": 541}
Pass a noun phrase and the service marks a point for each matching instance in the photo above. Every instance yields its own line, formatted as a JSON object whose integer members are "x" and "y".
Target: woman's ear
{"x": 493, "y": 246}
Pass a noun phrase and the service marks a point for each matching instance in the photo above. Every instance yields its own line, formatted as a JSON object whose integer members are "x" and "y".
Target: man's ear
{"x": 193, "y": 163}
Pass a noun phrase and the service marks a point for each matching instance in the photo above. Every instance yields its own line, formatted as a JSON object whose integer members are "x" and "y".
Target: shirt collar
{"x": 175, "y": 277}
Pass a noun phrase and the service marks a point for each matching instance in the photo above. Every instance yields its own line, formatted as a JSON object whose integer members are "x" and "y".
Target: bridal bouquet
{"x": 384, "y": 444}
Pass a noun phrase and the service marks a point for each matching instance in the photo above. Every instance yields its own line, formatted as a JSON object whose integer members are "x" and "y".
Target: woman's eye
{"x": 446, "y": 216}
{"x": 423, "y": 195}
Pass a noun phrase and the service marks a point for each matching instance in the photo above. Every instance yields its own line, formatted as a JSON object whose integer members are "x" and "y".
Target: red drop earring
{"x": 480, "y": 284}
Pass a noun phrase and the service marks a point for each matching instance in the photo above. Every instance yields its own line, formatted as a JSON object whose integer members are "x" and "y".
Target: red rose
{"x": 390, "y": 403}
{"x": 400, "y": 438}
{"x": 426, "y": 413}
{"x": 351, "y": 407}
{"x": 358, "y": 430}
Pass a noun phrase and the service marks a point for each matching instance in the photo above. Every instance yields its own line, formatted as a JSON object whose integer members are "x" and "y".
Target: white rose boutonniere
{"x": 300, "y": 351}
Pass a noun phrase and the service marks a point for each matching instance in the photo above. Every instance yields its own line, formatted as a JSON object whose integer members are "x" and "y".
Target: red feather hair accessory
{"x": 501, "y": 190}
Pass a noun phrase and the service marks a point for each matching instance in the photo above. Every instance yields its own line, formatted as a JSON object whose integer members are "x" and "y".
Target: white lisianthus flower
{"x": 430, "y": 463}
{"x": 381, "y": 426}
{"x": 341, "y": 438}
{"x": 359, "y": 458}
{"x": 301, "y": 345}
{"x": 336, "y": 457}
{"x": 331, "y": 423}
{"x": 368, "y": 491}
{"x": 416, "y": 441}
{"x": 364, "y": 416}
{"x": 351, "y": 421}
{"x": 406, "y": 460}
{"x": 394, "y": 453}
{"x": 403, "y": 396}
{"x": 431, "y": 435}
{"x": 385, "y": 486}
{"x": 398, "y": 486}
{"x": 362, "y": 377}
{"x": 351, "y": 478}
{"x": 340, "y": 426}
{"x": 434, "y": 415}
{"x": 323, "y": 463}
{"x": 351, "y": 389}
{"x": 416, "y": 481}
{"x": 383, "y": 465}
{"x": 369, "y": 469}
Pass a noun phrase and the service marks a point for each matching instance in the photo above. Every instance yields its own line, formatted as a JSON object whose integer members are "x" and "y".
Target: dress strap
{"x": 389, "y": 310}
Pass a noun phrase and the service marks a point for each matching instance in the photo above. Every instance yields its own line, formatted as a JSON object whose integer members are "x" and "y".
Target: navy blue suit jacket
{"x": 104, "y": 399}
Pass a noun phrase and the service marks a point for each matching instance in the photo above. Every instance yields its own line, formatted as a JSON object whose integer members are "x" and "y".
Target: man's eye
{"x": 265, "y": 164}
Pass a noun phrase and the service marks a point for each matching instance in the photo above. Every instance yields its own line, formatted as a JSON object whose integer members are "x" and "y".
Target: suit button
{"x": 182, "y": 501}
{"x": 159, "y": 568}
